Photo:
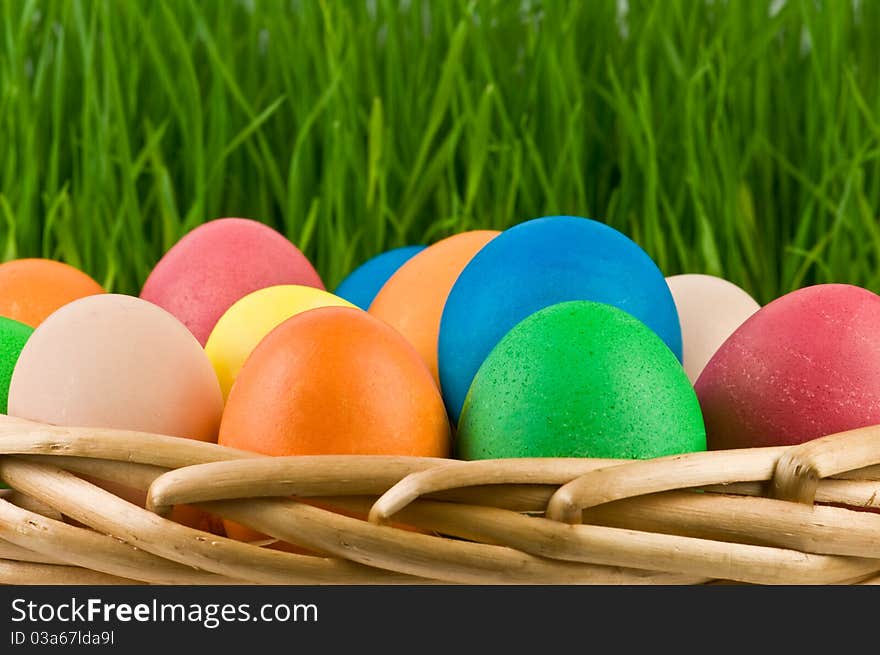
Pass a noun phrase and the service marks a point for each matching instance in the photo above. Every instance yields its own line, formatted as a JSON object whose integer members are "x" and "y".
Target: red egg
{"x": 804, "y": 366}
{"x": 220, "y": 262}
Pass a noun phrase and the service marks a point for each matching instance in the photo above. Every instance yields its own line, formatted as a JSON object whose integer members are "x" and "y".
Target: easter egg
{"x": 805, "y": 365}
{"x": 13, "y": 336}
{"x": 31, "y": 289}
{"x": 335, "y": 380}
{"x": 251, "y": 318}
{"x": 363, "y": 283}
{"x": 219, "y": 262}
{"x": 536, "y": 264}
{"x": 413, "y": 298}
{"x": 117, "y": 361}
{"x": 580, "y": 379}
{"x": 709, "y": 309}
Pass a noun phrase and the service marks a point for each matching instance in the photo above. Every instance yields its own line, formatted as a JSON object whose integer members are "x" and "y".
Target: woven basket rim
{"x": 802, "y": 514}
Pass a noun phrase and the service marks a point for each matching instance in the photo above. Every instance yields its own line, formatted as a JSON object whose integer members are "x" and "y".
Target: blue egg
{"x": 536, "y": 264}
{"x": 364, "y": 282}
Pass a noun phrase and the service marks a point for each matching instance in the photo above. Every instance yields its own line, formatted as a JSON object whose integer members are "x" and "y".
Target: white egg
{"x": 710, "y": 309}
{"x": 116, "y": 361}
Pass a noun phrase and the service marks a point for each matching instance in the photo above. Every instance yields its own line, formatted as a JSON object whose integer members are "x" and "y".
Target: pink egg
{"x": 220, "y": 262}
{"x": 803, "y": 366}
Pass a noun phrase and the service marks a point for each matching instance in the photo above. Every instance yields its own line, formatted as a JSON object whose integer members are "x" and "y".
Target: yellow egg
{"x": 251, "y": 318}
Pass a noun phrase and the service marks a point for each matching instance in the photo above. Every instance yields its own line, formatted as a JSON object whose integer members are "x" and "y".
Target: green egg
{"x": 13, "y": 336}
{"x": 580, "y": 379}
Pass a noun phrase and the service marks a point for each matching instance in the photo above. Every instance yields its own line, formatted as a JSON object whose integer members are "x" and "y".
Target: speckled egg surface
{"x": 13, "y": 336}
{"x": 580, "y": 379}
{"x": 803, "y": 366}
{"x": 217, "y": 263}
{"x": 536, "y": 264}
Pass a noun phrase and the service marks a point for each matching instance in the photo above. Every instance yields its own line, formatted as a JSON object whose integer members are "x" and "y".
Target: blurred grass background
{"x": 738, "y": 138}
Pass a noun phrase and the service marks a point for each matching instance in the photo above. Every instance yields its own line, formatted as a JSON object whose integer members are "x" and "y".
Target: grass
{"x": 737, "y": 138}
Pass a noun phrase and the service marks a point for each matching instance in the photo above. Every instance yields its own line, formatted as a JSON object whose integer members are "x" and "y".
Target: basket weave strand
{"x": 782, "y": 515}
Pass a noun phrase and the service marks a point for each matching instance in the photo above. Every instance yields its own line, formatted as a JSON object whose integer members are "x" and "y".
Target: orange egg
{"x": 31, "y": 289}
{"x": 334, "y": 381}
{"x": 412, "y": 299}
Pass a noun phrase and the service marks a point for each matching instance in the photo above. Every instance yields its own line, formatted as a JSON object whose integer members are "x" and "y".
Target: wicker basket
{"x": 790, "y": 515}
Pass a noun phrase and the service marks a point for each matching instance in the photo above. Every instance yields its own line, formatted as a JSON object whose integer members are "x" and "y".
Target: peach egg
{"x": 117, "y": 361}
{"x": 412, "y": 299}
{"x": 709, "y": 309}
